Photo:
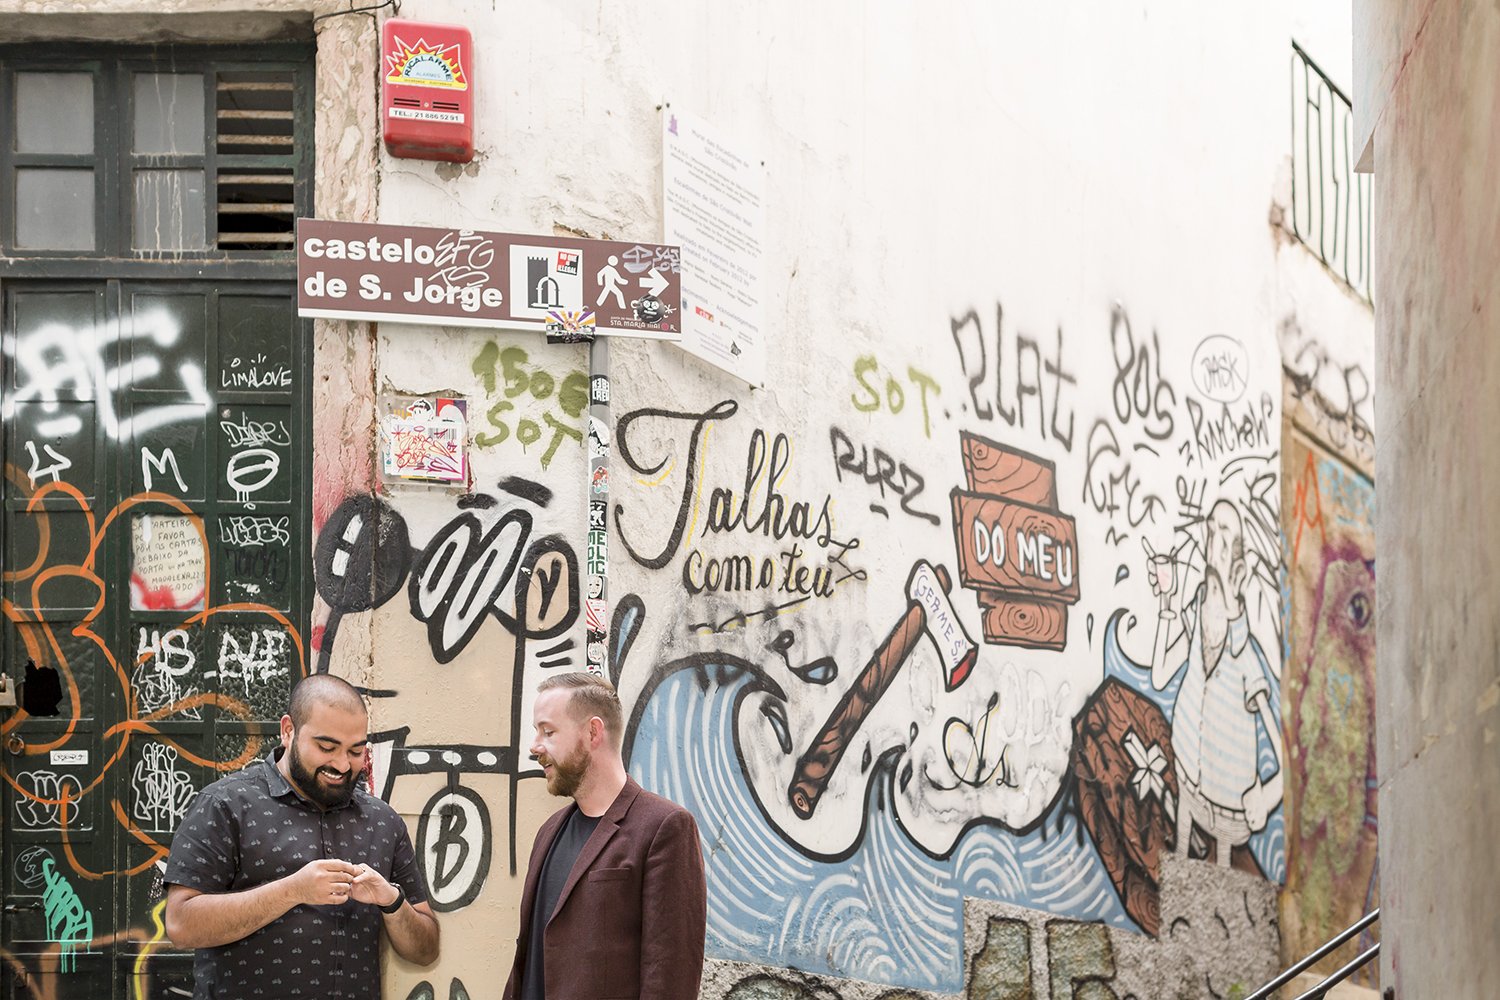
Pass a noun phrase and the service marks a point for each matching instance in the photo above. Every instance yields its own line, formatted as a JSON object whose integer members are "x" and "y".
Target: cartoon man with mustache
{"x": 1225, "y": 689}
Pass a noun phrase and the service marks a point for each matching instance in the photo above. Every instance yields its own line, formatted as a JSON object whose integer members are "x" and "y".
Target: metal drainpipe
{"x": 596, "y": 577}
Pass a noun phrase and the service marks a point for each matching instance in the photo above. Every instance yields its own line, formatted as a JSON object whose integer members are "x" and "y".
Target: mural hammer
{"x": 929, "y": 612}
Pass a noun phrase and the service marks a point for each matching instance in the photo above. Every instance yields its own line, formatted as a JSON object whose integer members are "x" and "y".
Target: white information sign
{"x": 714, "y": 195}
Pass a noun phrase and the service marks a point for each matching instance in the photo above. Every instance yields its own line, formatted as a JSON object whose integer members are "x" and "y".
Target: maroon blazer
{"x": 632, "y": 915}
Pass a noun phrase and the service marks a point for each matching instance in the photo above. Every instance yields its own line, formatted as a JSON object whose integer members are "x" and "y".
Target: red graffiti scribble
{"x": 1308, "y": 493}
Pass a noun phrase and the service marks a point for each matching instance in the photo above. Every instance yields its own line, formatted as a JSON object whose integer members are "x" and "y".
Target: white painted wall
{"x": 1057, "y": 165}
{"x": 1064, "y": 166}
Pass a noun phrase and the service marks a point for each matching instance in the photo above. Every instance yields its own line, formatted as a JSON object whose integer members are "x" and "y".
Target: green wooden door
{"x": 154, "y": 534}
{"x": 155, "y": 496}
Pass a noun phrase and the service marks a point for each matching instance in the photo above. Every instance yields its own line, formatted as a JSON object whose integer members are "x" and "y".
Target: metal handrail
{"x": 1321, "y": 990}
{"x": 1331, "y": 202}
{"x": 1317, "y": 956}
{"x": 1319, "y": 70}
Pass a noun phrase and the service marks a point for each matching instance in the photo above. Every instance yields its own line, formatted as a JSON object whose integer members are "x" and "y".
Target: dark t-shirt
{"x": 252, "y": 828}
{"x": 555, "y": 871}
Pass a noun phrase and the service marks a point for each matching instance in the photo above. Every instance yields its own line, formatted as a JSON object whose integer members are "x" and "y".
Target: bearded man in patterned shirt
{"x": 282, "y": 876}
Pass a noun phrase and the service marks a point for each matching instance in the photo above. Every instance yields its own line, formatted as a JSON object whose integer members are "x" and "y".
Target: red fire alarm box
{"x": 427, "y": 103}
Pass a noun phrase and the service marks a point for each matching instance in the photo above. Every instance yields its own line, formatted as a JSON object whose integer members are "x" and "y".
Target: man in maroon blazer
{"x": 614, "y": 904}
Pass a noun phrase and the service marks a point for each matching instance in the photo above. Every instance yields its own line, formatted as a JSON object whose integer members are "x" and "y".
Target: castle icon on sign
{"x": 544, "y": 289}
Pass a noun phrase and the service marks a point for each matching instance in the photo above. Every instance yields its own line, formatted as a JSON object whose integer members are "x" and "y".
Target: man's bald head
{"x": 323, "y": 689}
{"x": 1226, "y": 543}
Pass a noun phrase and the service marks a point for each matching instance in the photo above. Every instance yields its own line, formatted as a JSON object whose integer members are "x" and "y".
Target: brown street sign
{"x": 467, "y": 277}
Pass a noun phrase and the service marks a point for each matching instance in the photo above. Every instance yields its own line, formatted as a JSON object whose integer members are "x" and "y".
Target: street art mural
{"x": 484, "y": 564}
{"x": 487, "y": 563}
{"x": 1013, "y": 636}
{"x": 1010, "y": 953}
{"x": 1041, "y": 693}
{"x": 1330, "y": 689}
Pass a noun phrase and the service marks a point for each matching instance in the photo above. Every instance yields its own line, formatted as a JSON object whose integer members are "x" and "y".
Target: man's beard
{"x": 568, "y": 774}
{"x": 307, "y": 780}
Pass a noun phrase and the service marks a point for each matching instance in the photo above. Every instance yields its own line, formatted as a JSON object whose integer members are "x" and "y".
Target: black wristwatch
{"x": 400, "y": 901}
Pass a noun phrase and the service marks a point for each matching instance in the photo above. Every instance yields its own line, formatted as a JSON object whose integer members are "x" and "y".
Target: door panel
{"x": 154, "y": 524}
{"x": 154, "y": 464}
{"x": 55, "y": 638}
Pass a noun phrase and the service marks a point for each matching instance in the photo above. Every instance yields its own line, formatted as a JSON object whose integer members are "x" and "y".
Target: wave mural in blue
{"x": 890, "y": 912}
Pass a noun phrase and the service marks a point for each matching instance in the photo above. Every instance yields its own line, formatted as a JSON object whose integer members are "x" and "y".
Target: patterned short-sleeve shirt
{"x": 252, "y": 828}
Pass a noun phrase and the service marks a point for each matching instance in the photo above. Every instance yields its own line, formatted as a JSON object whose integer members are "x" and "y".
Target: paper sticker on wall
{"x": 425, "y": 438}
{"x": 570, "y": 326}
{"x": 168, "y": 563}
{"x": 713, "y": 194}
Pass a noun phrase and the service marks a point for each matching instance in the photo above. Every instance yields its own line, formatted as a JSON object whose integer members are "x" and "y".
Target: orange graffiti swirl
{"x": 41, "y": 643}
